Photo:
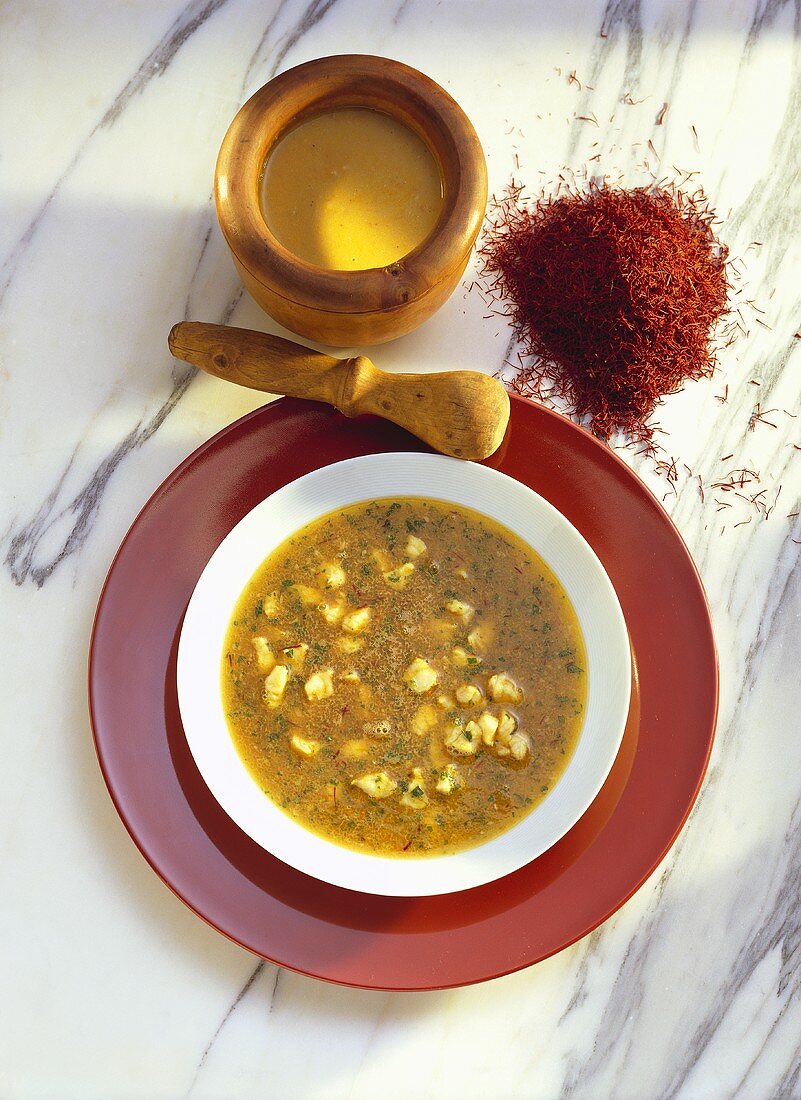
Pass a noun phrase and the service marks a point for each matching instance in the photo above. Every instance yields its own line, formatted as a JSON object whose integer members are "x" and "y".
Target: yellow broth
{"x": 405, "y": 676}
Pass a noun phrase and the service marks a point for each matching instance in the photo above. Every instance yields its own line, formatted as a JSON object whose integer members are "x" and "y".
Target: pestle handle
{"x": 460, "y": 413}
{"x": 259, "y": 361}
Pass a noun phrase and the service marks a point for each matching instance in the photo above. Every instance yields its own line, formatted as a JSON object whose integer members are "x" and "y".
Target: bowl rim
{"x": 350, "y": 80}
{"x": 209, "y": 740}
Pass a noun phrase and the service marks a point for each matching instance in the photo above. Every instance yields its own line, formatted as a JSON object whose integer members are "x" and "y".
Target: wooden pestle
{"x": 461, "y": 413}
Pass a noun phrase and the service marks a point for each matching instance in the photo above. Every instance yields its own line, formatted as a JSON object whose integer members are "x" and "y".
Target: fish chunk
{"x": 449, "y": 780}
{"x": 462, "y": 659}
{"x": 507, "y": 724}
{"x": 415, "y": 796}
{"x": 320, "y": 685}
{"x": 468, "y": 695}
{"x": 488, "y": 724}
{"x": 331, "y": 612}
{"x": 376, "y": 784}
{"x": 519, "y": 746}
{"x": 420, "y": 676}
{"x": 356, "y": 621}
{"x": 303, "y": 746}
{"x": 265, "y": 658}
{"x": 308, "y": 596}
{"x": 464, "y": 740}
{"x": 461, "y": 610}
{"x": 271, "y": 605}
{"x": 400, "y": 575}
{"x": 480, "y": 637}
{"x": 330, "y": 575}
{"x": 503, "y": 689}
{"x": 275, "y": 685}
{"x": 415, "y": 547}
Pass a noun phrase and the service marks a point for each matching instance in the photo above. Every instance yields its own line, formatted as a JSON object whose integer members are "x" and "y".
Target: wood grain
{"x": 351, "y": 307}
{"x": 459, "y": 413}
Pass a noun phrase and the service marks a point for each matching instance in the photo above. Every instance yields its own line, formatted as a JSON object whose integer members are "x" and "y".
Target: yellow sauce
{"x": 351, "y": 189}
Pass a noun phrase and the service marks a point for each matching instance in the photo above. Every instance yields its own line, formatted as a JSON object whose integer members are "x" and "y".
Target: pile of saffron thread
{"x": 614, "y": 295}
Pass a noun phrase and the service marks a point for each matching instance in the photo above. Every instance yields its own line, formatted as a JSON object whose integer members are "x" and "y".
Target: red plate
{"x": 358, "y": 939}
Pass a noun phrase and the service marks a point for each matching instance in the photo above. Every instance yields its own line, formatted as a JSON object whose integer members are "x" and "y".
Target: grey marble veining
{"x": 112, "y": 117}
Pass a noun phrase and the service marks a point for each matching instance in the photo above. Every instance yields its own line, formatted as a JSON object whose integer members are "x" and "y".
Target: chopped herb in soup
{"x": 405, "y": 677}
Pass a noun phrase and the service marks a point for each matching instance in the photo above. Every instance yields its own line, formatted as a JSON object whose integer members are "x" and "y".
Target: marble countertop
{"x": 111, "y": 118}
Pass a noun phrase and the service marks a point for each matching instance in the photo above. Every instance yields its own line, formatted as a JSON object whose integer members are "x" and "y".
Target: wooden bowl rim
{"x": 312, "y": 85}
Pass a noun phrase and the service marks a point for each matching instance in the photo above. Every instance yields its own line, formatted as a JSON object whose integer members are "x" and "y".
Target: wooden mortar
{"x": 345, "y": 308}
